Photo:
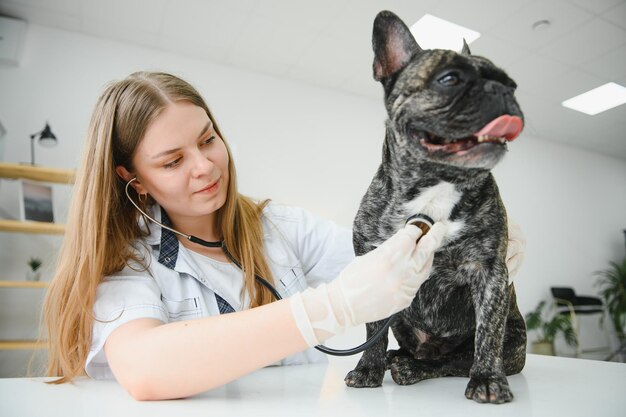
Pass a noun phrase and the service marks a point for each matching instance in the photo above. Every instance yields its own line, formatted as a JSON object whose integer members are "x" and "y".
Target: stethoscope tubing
{"x": 221, "y": 244}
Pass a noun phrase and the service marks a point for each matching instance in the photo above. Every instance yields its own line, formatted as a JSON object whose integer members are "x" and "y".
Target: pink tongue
{"x": 505, "y": 126}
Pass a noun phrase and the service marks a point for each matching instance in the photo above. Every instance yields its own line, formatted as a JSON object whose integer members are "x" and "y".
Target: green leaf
{"x": 549, "y": 329}
{"x": 612, "y": 284}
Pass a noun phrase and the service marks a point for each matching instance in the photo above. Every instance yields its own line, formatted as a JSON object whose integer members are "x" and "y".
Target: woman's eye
{"x": 450, "y": 79}
{"x": 172, "y": 164}
{"x": 209, "y": 140}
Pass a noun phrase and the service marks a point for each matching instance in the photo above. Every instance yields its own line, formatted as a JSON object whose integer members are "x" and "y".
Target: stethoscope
{"x": 422, "y": 221}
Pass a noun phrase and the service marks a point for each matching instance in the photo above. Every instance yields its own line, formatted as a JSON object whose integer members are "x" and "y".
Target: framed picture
{"x": 36, "y": 202}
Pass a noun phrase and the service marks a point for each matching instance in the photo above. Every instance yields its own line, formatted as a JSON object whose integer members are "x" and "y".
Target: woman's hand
{"x": 516, "y": 249}
{"x": 372, "y": 287}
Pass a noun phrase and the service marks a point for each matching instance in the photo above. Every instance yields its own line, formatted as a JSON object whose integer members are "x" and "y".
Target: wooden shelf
{"x": 36, "y": 173}
{"x": 31, "y": 227}
{"x": 24, "y": 284}
{"x": 22, "y": 345}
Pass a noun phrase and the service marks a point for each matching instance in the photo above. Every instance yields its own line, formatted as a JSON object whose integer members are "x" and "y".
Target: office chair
{"x": 567, "y": 302}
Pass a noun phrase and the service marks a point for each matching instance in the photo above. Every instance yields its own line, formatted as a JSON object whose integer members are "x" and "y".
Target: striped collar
{"x": 169, "y": 247}
{"x": 159, "y": 238}
{"x": 168, "y": 252}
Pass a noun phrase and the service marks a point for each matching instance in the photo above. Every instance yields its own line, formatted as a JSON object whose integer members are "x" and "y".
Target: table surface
{"x": 548, "y": 386}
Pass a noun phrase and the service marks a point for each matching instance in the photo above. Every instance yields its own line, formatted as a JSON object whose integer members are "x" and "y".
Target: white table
{"x": 548, "y": 386}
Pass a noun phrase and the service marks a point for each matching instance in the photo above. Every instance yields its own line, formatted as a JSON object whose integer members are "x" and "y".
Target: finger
{"x": 411, "y": 231}
{"x": 514, "y": 253}
{"x": 429, "y": 243}
{"x": 516, "y": 234}
{"x": 513, "y": 264}
{"x": 512, "y": 249}
{"x": 434, "y": 237}
{"x": 515, "y": 229}
{"x": 404, "y": 239}
{"x": 428, "y": 266}
{"x": 421, "y": 272}
{"x": 514, "y": 246}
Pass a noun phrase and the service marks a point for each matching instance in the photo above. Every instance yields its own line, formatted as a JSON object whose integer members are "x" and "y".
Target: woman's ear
{"x": 123, "y": 173}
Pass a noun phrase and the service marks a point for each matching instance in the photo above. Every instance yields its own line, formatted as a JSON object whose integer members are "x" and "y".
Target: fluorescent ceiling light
{"x": 598, "y": 100}
{"x": 434, "y": 33}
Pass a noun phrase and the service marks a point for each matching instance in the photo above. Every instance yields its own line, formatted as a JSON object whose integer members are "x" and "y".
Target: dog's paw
{"x": 391, "y": 355}
{"x": 489, "y": 390}
{"x": 405, "y": 370}
{"x": 365, "y": 378}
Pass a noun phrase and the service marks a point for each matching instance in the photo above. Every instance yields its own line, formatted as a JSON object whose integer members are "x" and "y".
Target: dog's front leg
{"x": 488, "y": 383}
{"x": 370, "y": 370}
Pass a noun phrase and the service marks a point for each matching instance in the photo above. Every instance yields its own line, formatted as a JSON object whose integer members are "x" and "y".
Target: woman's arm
{"x": 159, "y": 361}
{"x": 153, "y": 361}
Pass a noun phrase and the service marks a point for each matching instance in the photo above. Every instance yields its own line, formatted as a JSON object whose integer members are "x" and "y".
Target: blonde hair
{"x": 102, "y": 223}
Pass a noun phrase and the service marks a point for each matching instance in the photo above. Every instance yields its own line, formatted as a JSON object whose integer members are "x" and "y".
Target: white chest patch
{"x": 437, "y": 202}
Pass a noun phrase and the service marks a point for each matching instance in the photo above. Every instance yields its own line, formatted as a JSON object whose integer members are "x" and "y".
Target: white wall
{"x": 571, "y": 205}
{"x": 297, "y": 144}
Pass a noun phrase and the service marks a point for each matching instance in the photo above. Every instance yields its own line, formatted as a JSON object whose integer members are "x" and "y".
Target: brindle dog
{"x": 450, "y": 118}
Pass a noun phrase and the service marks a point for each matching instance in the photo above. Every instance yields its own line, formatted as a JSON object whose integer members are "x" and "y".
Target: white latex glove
{"x": 372, "y": 287}
{"x": 515, "y": 249}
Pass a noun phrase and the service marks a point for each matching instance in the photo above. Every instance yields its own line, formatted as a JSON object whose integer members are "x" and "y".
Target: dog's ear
{"x": 393, "y": 45}
{"x": 465, "y": 50}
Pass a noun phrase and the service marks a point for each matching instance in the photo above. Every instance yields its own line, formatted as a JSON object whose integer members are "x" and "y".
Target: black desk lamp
{"x": 46, "y": 138}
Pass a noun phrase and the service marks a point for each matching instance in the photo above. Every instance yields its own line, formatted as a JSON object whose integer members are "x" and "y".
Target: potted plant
{"x": 612, "y": 283}
{"x": 34, "y": 273}
{"x": 548, "y": 330}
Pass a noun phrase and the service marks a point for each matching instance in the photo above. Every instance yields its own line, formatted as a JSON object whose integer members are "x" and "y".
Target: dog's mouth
{"x": 499, "y": 131}
{"x": 435, "y": 143}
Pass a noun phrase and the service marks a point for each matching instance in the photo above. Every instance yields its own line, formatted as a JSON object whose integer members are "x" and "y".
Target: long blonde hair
{"x": 102, "y": 223}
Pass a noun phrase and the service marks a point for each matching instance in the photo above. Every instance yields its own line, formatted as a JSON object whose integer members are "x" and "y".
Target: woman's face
{"x": 183, "y": 163}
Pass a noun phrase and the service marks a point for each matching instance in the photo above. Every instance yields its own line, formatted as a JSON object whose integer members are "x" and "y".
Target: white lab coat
{"x": 302, "y": 251}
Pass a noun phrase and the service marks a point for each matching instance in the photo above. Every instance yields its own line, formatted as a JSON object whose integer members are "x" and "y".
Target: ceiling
{"x": 328, "y": 43}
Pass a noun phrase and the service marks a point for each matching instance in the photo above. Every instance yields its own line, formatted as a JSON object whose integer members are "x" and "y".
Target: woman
{"x": 142, "y": 304}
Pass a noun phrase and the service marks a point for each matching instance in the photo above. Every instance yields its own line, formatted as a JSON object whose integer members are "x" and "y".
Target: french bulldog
{"x": 450, "y": 117}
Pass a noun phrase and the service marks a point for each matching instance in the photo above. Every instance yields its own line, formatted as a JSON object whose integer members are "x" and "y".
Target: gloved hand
{"x": 372, "y": 287}
{"x": 515, "y": 249}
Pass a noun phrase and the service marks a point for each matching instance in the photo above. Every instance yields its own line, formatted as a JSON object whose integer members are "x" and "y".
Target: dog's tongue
{"x": 505, "y": 126}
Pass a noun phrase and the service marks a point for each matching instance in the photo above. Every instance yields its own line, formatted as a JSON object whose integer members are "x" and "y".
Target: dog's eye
{"x": 450, "y": 79}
